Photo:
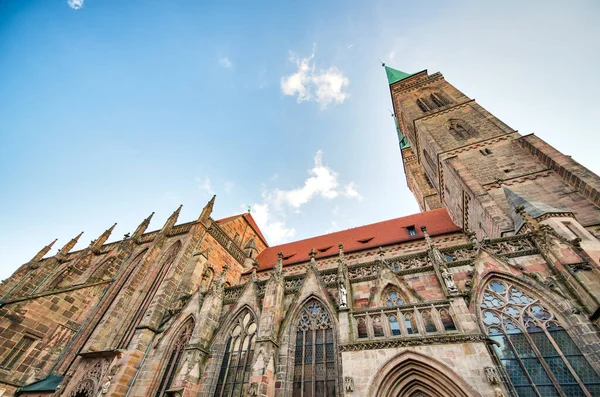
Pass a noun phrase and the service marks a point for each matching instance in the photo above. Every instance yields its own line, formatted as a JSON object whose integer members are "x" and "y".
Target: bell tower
{"x": 458, "y": 155}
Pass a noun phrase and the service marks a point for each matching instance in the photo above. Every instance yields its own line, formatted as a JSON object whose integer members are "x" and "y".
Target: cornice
{"x": 407, "y": 341}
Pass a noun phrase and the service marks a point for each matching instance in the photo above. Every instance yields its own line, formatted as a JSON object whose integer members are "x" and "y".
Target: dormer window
{"x": 411, "y": 230}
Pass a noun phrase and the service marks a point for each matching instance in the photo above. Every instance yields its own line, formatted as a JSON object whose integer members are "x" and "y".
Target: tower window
{"x": 411, "y": 230}
{"x": 428, "y": 181}
{"x": 437, "y": 100}
{"x": 422, "y": 105}
{"x": 485, "y": 152}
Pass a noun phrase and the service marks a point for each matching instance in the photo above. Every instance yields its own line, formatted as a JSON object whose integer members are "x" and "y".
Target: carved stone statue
{"x": 492, "y": 375}
{"x": 105, "y": 386}
{"x": 343, "y": 294}
{"x": 349, "y": 383}
{"x": 449, "y": 280}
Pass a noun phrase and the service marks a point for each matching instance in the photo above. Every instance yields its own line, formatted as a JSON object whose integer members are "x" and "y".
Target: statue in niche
{"x": 343, "y": 294}
{"x": 449, "y": 280}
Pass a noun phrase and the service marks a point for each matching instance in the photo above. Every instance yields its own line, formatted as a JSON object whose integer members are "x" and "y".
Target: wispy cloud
{"x": 225, "y": 62}
{"x": 204, "y": 185}
{"x": 350, "y": 46}
{"x": 278, "y": 203}
{"x": 307, "y": 84}
{"x": 75, "y": 4}
{"x": 228, "y": 186}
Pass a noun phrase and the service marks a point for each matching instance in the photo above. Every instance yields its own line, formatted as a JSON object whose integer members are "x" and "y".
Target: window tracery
{"x": 393, "y": 298}
{"x": 175, "y": 358}
{"x": 539, "y": 356}
{"x": 237, "y": 361}
{"x": 315, "y": 367}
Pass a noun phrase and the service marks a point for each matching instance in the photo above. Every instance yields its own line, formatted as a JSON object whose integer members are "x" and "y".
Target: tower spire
{"x": 42, "y": 252}
{"x": 62, "y": 254}
{"x": 99, "y": 242}
{"x": 142, "y": 228}
{"x": 393, "y": 75}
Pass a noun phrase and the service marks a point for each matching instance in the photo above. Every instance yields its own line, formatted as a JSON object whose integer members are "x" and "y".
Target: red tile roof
{"x": 388, "y": 232}
{"x": 250, "y": 220}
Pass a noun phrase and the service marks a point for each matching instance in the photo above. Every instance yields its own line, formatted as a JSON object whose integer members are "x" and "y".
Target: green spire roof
{"x": 394, "y": 75}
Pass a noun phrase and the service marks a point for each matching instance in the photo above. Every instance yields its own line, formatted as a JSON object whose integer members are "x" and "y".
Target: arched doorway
{"x": 411, "y": 374}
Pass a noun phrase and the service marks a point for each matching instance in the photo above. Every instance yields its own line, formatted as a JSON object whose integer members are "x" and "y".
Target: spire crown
{"x": 142, "y": 227}
{"x": 99, "y": 242}
{"x": 393, "y": 75}
{"x": 207, "y": 210}
{"x": 43, "y": 251}
{"x": 69, "y": 246}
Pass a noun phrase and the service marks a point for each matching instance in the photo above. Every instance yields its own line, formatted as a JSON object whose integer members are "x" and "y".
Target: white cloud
{"x": 278, "y": 203}
{"x": 204, "y": 184}
{"x": 350, "y": 191}
{"x": 275, "y": 230}
{"x": 307, "y": 84}
{"x": 323, "y": 182}
{"x": 350, "y": 46}
{"x": 75, "y": 4}
{"x": 225, "y": 62}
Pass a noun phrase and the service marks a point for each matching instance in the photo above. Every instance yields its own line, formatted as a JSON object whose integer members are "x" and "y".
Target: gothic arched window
{"x": 361, "y": 325}
{"x": 447, "y": 321}
{"x": 237, "y": 361}
{"x": 411, "y": 325}
{"x": 393, "y": 298}
{"x": 539, "y": 356}
{"x": 315, "y": 368}
{"x": 460, "y": 129}
{"x": 394, "y": 326}
{"x": 175, "y": 358}
{"x": 377, "y": 327}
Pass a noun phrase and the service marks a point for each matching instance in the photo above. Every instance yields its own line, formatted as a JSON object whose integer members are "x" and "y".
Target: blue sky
{"x": 110, "y": 110}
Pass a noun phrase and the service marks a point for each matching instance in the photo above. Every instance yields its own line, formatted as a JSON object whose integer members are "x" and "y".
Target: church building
{"x": 493, "y": 290}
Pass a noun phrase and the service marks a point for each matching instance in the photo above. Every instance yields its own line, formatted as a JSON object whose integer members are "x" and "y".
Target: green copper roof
{"x": 401, "y": 138}
{"x": 48, "y": 384}
{"x": 394, "y": 75}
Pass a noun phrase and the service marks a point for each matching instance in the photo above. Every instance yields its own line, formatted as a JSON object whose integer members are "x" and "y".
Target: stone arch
{"x": 514, "y": 312}
{"x": 382, "y": 298}
{"x": 99, "y": 273}
{"x": 412, "y": 374}
{"x": 288, "y": 343}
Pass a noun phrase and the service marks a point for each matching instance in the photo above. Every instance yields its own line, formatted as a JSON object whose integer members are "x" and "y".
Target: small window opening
{"x": 285, "y": 258}
{"x": 324, "y": 249}
{"x": 366, "y": 240}
{"x": 422, "y": 105}
{"x": 428, "y": 181}
{"x": 16, "y": 353}
{"x": 572, "y": 229}
{"x": 485, "y": 152}
{"x": 411, "y": 230}
{"x": 437, "y": 100}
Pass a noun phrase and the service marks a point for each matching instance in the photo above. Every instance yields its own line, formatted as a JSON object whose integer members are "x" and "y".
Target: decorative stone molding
{"x": 413, "y": 341}
{"x": 218, "y": 234}
{"x": 348, "y": 384}
{"x": 492, "y": 375}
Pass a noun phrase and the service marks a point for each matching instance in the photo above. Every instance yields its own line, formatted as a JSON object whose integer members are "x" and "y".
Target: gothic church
{"x": 492, "y": 290}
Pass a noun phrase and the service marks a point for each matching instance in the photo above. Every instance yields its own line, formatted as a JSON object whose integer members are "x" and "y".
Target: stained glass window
{"x": 428, "y": 321}
{"x": 362, "y": 327}
{"x": 393, "y": 298}
{"x": 175, "y": 358}
{"x": 377, "y": 327}
{"x": 447, "y": 321}
{"x": 315, "y": 368}
{"x": 394, "y": 326}
{"x": 411, "y": 325}
{"x": 539, "y": 356}
{"x": 237, "y": 361}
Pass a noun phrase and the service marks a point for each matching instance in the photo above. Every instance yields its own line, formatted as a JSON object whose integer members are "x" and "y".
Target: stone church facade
{"x": 493, "y": 290}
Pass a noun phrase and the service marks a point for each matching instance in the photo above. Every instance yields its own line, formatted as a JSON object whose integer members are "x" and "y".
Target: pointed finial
{"x": 279, "y": 264}
{"x": 42, "y": 252}
{"x": 341, "y": 253}
{"x": 426, "y": 235}
{"x": 254, "y": 269}
{"x": 528, "y": 219}
{"x": 382, "y": 63}
{"x": 207, "y": 210}
{"x": 139, "y": 231}
{"x": 312, "y": 254}
{"x": 68, "y": 247}
{"x": 171, "y": 220}
{"x": 99, "y": 242}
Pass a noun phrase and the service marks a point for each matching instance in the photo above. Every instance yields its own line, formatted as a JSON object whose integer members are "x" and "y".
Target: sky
{"x": 110, "y": 110}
